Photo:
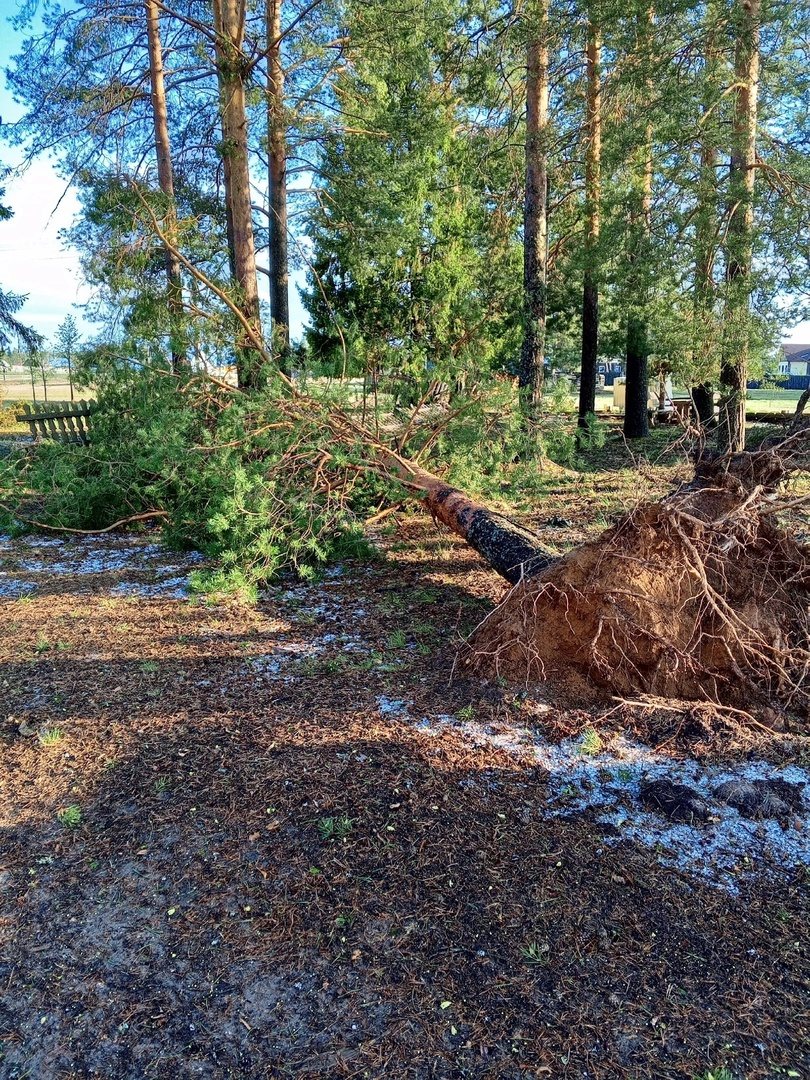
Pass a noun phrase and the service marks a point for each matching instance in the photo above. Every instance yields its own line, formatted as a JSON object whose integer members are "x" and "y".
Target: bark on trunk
{"x": 229, "y": 25}
{"x": 740, "y": 229}
{"x": 703, "y": 405}
{"x": 706, "y": 234}
{"x": 511, "y": 551}
{"x": 590, "y": 288}
{"x": 277, "y": 189}
{"x": 636, "y": 420}
{"x": 535, "y": 223}
{"x": 160, "y": 116}
{"x": 636, "y": 423}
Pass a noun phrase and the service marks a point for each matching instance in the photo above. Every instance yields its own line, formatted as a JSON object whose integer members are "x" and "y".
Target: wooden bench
{"x": 66, "y": 422}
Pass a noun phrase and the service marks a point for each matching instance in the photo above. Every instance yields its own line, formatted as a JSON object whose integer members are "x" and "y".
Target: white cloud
{"x": 32, "y": 259}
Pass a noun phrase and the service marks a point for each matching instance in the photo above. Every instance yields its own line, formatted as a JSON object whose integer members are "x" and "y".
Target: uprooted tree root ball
{"x": 703, "y": 595}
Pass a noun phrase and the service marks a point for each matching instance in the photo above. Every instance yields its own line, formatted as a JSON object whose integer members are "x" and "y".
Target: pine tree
{"x": 67, "y": 344}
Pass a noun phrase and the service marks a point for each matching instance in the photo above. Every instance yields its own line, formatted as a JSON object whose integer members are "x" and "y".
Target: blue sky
{"x": 33, "y": 261}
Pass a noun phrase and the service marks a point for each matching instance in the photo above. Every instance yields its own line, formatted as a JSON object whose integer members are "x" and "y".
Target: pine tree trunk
{"x": 229, "y": 25}
{"x": 277, "y": 159}
{"x": 636, "y": 422}
{"x": 740, "y": 229}
{"x": 160, "y": 116}
{"x": 509, "y": 549}
{"x": 535, "y": 220}
{"x": 590, "y": 288}
{"x": 706, "y": 233}
{"x": 703, "y": 405}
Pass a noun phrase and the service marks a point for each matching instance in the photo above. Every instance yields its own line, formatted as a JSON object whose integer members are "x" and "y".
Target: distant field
{"x": 17, "y": 388}
{"x": 770, "y": 400}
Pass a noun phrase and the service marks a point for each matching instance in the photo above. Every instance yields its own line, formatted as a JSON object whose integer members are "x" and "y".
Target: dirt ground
{"x": 283, "y": 841}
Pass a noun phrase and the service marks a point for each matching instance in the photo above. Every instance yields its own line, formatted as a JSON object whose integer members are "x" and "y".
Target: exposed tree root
{"x": 703, "y": 595}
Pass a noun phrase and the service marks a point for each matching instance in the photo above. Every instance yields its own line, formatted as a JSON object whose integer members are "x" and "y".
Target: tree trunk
{"x": 174, "y": 281}
{"x": 511, "y": 551}
{"x": 636, "y": 423}
{"x": 229, "y": 25}
{"x": 706, "y": 234}
{"x": 277, "y": 190}
{"x": 703, "y": 405}
{"x": 636, "y": 420}
{"x": 590, "y": 288}
{"x": 535, "y": 219}
{"x": 740, "y": 229}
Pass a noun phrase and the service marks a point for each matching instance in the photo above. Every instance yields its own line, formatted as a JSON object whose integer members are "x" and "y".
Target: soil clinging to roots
{"x": 702, "y": 596}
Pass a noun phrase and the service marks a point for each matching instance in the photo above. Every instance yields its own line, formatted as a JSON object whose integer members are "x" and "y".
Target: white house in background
{"x": 796, "y": 360}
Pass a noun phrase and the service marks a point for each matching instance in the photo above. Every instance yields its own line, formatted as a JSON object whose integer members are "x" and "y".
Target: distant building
{"x": 794, "y": 367}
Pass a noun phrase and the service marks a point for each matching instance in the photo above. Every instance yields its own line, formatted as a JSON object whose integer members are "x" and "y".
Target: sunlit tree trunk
{"x": 535, "y": 217}
{"x": 636, "y": 423}
{"x": 277, "y": 188}
{"x": 166, "y": 180}
{"x": 229, "y": 25}
{"x": 740, "y": 229}
{"x": 593, "y": 195}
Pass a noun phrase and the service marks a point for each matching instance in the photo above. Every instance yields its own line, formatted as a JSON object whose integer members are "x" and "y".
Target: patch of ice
{"x": 12, "y": 587}
{"x": 607, "y": 784}
{"x": 89, "y": 556}
{"x": 173, "y": 588}
{"x": 393, "y": 707}
{"x": 323, "y": 604}
{"x": 272, "y": 662}
{"x": 42, "y": 542}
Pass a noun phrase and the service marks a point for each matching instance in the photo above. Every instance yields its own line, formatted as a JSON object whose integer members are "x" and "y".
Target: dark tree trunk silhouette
{"x": 277, "y": 176}
{"x": 703, "y": 403}
{"x": 636, "y": 423}
{"x": 593, "y": 192}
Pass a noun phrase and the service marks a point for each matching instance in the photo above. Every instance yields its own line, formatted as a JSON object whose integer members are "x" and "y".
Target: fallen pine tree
{"x": 702, "y": 595}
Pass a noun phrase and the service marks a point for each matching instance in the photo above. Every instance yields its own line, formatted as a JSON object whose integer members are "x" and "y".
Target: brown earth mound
{"x": 703, "y": 595}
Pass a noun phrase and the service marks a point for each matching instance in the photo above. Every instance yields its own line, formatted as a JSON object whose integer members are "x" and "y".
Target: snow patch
{"x": 173, "y": 588}
{"x": 87, "y": 557}
{"x": 13, "y": 588}
{"x": 271, "y": 663}
{"x": 607, "y": 786}
{"x": 392, "y": 707}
